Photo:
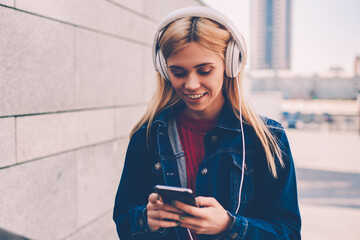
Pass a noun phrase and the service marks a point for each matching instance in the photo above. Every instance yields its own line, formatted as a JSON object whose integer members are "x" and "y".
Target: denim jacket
{"x": 269, "y": 206}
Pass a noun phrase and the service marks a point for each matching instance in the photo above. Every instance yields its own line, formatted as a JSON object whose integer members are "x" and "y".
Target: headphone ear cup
{"x": 232, "y": 60}
{"x": 161, "y": 65}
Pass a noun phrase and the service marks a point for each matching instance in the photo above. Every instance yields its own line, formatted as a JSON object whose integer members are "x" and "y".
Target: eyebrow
{"x": 197, "y": 66}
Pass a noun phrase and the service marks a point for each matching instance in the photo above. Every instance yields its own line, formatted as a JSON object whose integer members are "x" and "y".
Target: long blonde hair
{"x": 215, "y": 37}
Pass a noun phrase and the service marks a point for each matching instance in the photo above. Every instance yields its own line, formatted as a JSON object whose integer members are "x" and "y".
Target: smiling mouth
{"x": 194, "y": 96}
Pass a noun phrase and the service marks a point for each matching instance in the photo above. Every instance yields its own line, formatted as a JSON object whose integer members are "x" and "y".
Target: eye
{"x": 178, "y": 73}
{"x": 204, "y": 72}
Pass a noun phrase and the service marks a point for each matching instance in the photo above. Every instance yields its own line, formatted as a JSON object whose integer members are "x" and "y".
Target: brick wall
{"x": 74, "y": 77}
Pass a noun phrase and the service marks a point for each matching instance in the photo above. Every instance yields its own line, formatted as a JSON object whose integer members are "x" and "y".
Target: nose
{"x": 192, "y": 82}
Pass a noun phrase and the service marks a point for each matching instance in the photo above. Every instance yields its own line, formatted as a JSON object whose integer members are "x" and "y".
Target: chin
{"x": 196, "y": 110}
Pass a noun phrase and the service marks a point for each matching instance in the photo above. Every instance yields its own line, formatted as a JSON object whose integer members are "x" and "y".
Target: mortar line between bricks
{"x": 66, "y": 151}
{"x": 79, "y": 110}
{"x": 80, "y": 26}
{"x": 133, "y": 11}
{"x": 87, "y": 224}
{"x": 15, "y": 136}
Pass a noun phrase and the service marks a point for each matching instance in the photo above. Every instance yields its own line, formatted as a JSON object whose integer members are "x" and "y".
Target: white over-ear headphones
{"x": 235, "y": 55}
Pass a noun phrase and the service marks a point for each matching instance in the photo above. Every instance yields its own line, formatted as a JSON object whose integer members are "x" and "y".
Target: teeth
{"x": 195, "y": 96}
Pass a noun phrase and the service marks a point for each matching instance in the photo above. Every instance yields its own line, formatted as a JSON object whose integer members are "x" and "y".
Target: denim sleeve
{"x": 131, "y": 199}
{"x": 276, "y": 211}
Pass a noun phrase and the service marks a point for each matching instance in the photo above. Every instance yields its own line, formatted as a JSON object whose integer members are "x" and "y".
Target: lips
{"x": 195, "y": 96}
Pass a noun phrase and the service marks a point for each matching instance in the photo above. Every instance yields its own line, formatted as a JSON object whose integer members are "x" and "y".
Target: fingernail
{"x": 181, "y": 217}
{"x": 178, "y": 223}
{"x": 158, "y": 197}
{"x": 173, "y": 203}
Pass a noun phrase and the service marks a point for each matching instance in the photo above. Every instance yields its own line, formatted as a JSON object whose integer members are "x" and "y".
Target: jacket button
{"x": 233, "y": 236}
{"x": 204, "y": 171}
{"x": 214, "y": 139}
{"x": 158, "y": 166}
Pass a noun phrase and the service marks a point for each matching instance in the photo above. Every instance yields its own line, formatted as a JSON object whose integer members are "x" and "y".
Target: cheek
{"x": 216, "y": 84}
{"x": 176, "y": 86}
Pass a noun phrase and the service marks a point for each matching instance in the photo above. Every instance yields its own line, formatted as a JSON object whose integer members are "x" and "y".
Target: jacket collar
{"x": 228, "y": 119}
{"x": 164, "y": 116}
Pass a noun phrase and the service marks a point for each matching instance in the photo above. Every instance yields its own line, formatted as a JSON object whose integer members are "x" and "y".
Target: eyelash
{"x": 179, "y": 75}
{"x": 204, "y": 73}
{"x": 183, "y": 74}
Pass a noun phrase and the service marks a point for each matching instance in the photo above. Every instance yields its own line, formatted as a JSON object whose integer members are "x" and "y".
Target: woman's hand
{"x": 211, "y": 218}
{"x": 161, "y": 215}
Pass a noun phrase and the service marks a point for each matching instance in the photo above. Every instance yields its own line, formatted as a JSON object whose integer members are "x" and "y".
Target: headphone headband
{"x": 200, "y": 12}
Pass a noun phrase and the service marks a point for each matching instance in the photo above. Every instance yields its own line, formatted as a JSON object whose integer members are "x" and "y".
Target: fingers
{"x": 187, "y": 208}
{"x": 211, "y": 218}
{"x": 154, "y": 197}
{"x": 195, "y": 224}
{"x": 160, "y": 206}
{"x": 203, "y": 202}
{"x": 163, "y": 215}
{"x": 170, "y": 208}
{"x": 207, "y": 202}
{"x": 155, "y": 224}
{"x": 188, "y": 220}
{"x": 200, "y": 220}
{"x": 156, "y": 203}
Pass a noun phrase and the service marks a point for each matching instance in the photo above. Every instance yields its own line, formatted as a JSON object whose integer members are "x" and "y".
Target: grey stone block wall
{"x": 47, "y": 134}
{"x": 75, "y": 76}
{"x": 39, "y": 199}
{"x": 7, "y": 141}
{"x": 37, "y": 67}
{"x": 10, "y": 3}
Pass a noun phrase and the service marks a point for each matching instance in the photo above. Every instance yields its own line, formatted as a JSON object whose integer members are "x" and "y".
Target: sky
{"x": 325, "y": 33}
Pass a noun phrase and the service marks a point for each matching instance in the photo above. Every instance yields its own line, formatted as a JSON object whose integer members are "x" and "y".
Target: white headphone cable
{"x": 243, "y": 146}
{"x": 190, "y": 234}
{"x": 243, "y": 154}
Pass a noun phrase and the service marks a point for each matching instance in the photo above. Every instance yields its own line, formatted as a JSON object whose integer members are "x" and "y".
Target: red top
{"x": 191, "y": 134}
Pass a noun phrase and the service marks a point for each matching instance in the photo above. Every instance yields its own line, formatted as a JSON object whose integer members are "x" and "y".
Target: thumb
{"x": 206, "y": 202}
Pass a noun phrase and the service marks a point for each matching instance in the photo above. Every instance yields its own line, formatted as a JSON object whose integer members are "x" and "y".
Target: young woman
{"x": 200, "y": 133}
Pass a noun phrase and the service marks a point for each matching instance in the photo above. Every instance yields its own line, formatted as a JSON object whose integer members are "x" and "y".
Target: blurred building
{"x": 271, "y": 34}
{"x": 307, "y": 87}
{"x": 357, "y": 66}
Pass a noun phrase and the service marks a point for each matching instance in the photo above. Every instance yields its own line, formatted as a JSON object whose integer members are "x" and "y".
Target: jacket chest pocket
{"x": 247, "y": 188}
{"x": 170, "y": 171}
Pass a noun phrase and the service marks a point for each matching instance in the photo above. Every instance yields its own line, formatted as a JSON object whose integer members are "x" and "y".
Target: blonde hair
{"x": 215, "y": 37}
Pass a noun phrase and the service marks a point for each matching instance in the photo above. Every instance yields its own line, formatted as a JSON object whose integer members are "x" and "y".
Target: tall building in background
{"x": 357, "y": 66}
{"x": 271, "y": 34}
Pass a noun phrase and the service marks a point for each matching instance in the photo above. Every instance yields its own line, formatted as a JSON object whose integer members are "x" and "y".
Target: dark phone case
{"x": 179, "y": 194}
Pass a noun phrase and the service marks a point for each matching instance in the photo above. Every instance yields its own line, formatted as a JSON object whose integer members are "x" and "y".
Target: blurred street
{"x": 328, "y": 173}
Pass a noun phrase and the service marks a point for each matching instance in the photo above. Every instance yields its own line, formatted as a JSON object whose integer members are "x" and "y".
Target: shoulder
{"x": 147, "y": 132}
{"x": 278, "y": 131}
{"x": 139, "y": 137}
{"x": 274, "y": 126}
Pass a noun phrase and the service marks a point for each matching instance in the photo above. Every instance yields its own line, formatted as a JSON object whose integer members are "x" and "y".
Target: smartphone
{"x": 169, "y": 194}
